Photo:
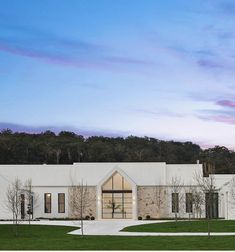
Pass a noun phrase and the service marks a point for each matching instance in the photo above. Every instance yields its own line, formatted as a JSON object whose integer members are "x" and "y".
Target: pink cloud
{"x": 226, "y": 103}
{"x": 224, "y": 119}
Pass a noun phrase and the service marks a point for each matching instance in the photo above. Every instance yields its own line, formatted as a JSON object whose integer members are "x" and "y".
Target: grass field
{"x": 185, "y": 226}
{"x": 37, "y": 237}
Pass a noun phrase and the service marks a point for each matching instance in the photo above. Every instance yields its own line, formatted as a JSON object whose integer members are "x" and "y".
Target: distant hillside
{"x": 68, "y": 147}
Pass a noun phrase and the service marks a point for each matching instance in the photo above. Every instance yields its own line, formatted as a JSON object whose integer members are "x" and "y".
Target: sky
{"x": 162, "y": 69}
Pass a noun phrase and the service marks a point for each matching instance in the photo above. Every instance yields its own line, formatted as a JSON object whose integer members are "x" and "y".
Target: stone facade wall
{"x": 156, "y": 201}
{"x": 151, "y": 201}
{"x": 89, "y": 201}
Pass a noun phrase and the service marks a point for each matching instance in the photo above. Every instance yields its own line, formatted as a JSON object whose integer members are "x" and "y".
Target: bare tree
{"x": 176, "y": 187}
{"x": 198, "y": 200}
{"x": 31, "y": 198}
{"x": 113, "y": 206}
{"x": 207, "y": 187}
{"x": 79, "y": 201}
{"x": 13, "y": 203}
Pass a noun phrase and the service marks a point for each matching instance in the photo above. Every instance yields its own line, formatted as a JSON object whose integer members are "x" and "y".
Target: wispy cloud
{"x": 226, "y": 103}
{"x": 53, "y": 49}
{"x": 158, "y": 113}
{"x": 220, "y": 118}
{"x": 224, "y": 115}
{"x": 208, "y": 64}
{"x": 58, "y": 59}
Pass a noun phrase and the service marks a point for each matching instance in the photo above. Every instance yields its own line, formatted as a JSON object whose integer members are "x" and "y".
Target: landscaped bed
{"x": 185, "y": 226}
{"x": 38, "y": 237}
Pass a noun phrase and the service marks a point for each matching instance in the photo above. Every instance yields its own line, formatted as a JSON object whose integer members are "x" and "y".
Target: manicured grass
{"x": 185, "y": 226}
{"x": 55, "y": 238}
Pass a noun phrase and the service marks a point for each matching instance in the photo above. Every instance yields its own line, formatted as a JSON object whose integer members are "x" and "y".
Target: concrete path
{"x": 113, "y": 227}
{"x": 109, "y": 227}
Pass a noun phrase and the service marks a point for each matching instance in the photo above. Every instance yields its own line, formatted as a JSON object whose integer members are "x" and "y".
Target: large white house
{"x": 116, "y": 190}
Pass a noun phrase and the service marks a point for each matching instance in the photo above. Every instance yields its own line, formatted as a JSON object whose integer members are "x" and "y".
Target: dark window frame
{"x": 61, "y": 205}
{"x": 22, "y": 206}
{"x": 188, "y": 202}
{"x": 212, "y": 205}
{"x": 175, "y": 202}
{"x": 46, "y": 210}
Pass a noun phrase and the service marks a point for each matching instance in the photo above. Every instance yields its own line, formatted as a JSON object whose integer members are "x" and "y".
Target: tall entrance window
{"x": 116, "y": 198}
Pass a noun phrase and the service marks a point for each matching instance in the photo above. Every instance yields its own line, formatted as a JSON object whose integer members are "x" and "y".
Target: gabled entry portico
{"x": 116, "y": 196}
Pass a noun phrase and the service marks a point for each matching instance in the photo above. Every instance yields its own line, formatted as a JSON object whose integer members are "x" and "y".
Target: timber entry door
{"x": 116, "y": 198}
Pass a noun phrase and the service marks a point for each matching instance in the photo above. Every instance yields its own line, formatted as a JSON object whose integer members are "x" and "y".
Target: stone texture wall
{"x": 156, "y": 202}
{"x": 89, "y": 201}
{"x": 151, "y": 201}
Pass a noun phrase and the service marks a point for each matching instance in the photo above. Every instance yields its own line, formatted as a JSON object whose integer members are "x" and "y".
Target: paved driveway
{"x": 113, "y": 227}
{"x": 110, "y": 227}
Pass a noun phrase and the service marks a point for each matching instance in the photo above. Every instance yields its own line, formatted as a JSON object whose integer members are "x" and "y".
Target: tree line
{"x": 67, "y": 147}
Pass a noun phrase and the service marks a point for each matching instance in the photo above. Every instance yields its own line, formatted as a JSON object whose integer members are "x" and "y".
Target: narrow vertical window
{"x": 47, "y": 202}
{"x": 61, "y": 203}
{"x": 175, "y": 202}
{"x": 189, "y": 202}
{"x": 22, "y": 206}
{"x": 32, "y": 206}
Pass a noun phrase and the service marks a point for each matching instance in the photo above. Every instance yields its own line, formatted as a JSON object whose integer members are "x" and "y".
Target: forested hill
{"x": 67, "y": 147}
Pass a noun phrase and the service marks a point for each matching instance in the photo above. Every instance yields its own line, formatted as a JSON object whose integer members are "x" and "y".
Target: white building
{"x": 116, "y": 190}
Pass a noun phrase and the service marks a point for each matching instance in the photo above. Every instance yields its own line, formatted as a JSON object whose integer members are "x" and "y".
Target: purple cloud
{"x": 209, "y": 64}
{"x": 222, "y": 118}
{"x": 226, "y": 103}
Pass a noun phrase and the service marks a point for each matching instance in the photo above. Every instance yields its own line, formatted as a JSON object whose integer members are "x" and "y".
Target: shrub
{"x": 92, "y": 217}
{"x": 147, "y": 217}
{"x": 87, "y": 217}
{"x": 139, "y": 218}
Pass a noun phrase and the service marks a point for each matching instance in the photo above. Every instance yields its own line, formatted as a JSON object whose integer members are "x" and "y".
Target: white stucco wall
{"x": 225, "y": 184}
{"x": 56, "y": 179}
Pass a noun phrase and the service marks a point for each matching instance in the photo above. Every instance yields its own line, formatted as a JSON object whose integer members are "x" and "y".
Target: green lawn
{"x": 185, "y": 226}
{"x": 55, "y": 238}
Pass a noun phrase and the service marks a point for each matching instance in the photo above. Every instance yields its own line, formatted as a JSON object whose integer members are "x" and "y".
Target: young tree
{"x": 13, "y": 203}
{"x": 31, "y": 198}
{"x": 207, "y": 187}
{"x": 79, "y": 201}
{"x": 176, "y": 195}
{"x": 198, "y": 200}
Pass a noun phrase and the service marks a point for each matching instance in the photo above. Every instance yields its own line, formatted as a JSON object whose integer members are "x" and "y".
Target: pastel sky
{"x": 164, "y": 69}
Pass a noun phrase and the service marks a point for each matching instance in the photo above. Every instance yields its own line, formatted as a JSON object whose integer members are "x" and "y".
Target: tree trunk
{"x": 175, "y": 217}
{"x": 16, "y": 226}
{"x": 208, "y": 227}
{"x": 81, "y": 209}
{"x": 209, "y": 215}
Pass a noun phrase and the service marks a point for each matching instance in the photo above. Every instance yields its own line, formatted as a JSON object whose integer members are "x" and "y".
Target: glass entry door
{"x": 116, "y": 198}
